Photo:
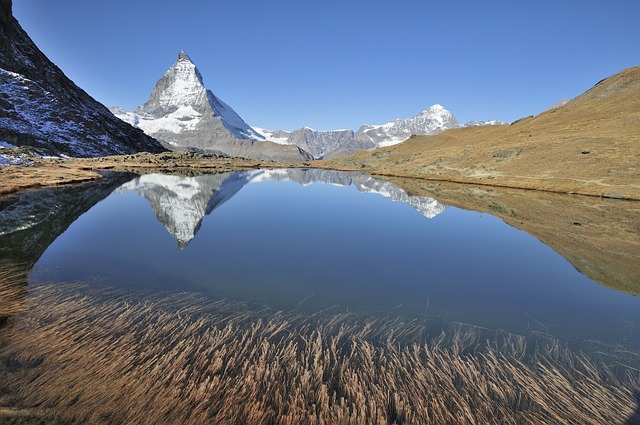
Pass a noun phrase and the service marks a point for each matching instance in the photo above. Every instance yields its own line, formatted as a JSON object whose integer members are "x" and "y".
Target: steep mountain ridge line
{"x": 42, "y": 108}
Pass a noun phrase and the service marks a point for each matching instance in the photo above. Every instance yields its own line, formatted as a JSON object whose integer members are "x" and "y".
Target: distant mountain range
{"x": 589, "y": 145}
{"x": 336, "y": 143}
{"x": 183, "y": 114}
{"x": 180, "y": 203}
{"x": 42, "y": 108}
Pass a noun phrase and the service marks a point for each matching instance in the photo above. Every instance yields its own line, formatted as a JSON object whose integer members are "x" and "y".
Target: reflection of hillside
{"x": 29, "y": 223}
{"x": 180, "y": 203}
{"x": 13, "y": 295}
{"x": 600, "y": 237}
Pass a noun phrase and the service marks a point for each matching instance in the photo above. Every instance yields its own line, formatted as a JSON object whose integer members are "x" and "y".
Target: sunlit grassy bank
{"x": 79, "y": 354}
{"x": 589, "y": 146}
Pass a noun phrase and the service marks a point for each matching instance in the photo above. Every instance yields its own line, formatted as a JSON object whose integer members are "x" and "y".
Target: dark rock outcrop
{"x": 41, "y": 107}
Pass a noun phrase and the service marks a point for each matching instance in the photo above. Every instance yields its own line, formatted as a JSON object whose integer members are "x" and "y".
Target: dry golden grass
{"x": 55, "y": 172}
{"x": 13, "y": 288}
{"x": 81, "y": 355}
{"x": 14, "y": 179}
{"x": 591, "y": 146}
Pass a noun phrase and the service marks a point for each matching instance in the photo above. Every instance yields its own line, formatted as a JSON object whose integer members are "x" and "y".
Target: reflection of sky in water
{"x": 311, "y": 247}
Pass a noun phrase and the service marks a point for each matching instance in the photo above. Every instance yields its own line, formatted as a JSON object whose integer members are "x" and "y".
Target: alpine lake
{"x": 317, "y": 296}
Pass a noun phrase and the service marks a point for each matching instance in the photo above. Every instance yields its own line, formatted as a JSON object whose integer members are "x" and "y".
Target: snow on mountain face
{"x": 330, "y": 144}
{"x": 280, "y": 137}
{"x": 180, "y": 86}
{"x": 432, "y": 120}
{"x": 42, "y": 108}
{"x": 181, "y": 99}
{"x": 180, "y": 103}
{"x": 183, "y": 114}
{"x": 319, "y": 143}
{"x": 484, "y": 123}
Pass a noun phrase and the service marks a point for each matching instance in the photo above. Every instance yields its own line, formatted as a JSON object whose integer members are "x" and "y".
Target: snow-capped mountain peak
{"x": 429, "y": 121}
{"x": 183, "y": 113}
{"x": 330, "y": 144}
{"x": 182, "y": 56}
{"x": 180, "y": 86}
{"x": 434, "y": 109}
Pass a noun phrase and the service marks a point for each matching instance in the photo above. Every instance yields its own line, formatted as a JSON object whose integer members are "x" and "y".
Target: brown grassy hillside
{"x": 590, "y": 145}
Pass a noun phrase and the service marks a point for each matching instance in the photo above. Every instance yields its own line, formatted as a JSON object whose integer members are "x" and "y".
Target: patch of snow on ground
{"x": 268, "y": 135}
{"x": 21, "y": 160}
{"x": 393, "y": 141}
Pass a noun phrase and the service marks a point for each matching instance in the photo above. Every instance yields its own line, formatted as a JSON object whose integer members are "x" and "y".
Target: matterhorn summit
{"x": 180, "y": 86}
{"x": 183, "y": 114}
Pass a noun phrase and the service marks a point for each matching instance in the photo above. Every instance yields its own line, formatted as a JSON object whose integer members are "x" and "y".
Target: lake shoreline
{"x": 47, "y": 172}
{"x": 170, "y": 344}
{"x": 572, "y": 225}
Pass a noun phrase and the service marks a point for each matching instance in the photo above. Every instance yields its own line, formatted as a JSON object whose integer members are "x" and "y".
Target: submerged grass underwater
{"x": 77, "y": 353}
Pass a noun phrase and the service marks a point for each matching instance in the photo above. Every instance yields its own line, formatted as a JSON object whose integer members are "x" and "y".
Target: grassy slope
{"x": 591, "y": 146}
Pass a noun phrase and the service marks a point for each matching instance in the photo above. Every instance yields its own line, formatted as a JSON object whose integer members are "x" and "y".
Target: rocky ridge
{"x": 42, "y": 108}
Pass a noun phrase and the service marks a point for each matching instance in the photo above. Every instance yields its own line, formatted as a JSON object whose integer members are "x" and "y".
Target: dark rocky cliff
{"x": 41, "y": 107}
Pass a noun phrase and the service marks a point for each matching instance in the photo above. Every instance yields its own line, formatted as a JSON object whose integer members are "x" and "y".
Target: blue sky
{"x": 329, "y": 64}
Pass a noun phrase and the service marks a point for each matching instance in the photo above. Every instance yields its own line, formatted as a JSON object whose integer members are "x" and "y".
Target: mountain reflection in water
{"x": 180, "y": 203}
{"x": 316, "y": 302}
{"x": 273, "y": 237}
